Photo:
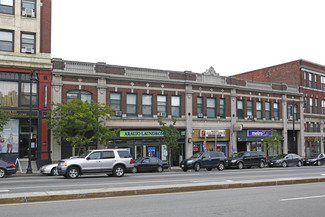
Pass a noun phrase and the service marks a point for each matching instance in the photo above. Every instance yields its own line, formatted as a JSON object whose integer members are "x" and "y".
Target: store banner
{"x": 259, "y": 133}
{"x": 141, "y": 133}
{"x": 9, "y": 137}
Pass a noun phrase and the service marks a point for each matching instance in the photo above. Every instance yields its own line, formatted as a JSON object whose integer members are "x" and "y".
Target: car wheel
{"x": 318, "y": 163}
{"x": 185, "y": 170}
{"x": 299, "y": 164}
{"x": 284, "y": 164}
{"x": 159, "y": 169}
{"x": 54, "y": 171}
{"x": 134, "y": 170}
{"x": 261, "y": 164}
{"x": 240, "y": 165}
{"x": 2, "y": 173}
{"x": 221, "y": 167}
{"x": 118, "y": 171}
{"x": 197, "y": 167}
{"x": 73, "y": 172}
{"x": 208, "y": 169}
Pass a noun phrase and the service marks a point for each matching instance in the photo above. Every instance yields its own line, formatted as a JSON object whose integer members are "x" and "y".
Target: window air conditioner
{"x": 29, "y": 12}
{"x": 118, "y": 113}
{"x": 161, "y": 114}
{"x": 276, "y": 118}
{"x": 250, "y": 117}
{"x": 290, "y": 118}
{"x": 200, "y": 115}
{"x": 27, "y": 50}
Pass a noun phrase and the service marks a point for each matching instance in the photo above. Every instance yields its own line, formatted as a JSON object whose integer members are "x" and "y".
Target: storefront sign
{"x": 212, "y": 133}
{"x": 259, "y": 133}
{"x": 139, "y": 133}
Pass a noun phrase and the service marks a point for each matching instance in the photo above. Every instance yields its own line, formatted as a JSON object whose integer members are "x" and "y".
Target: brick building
{"x": 310, "y": 77}
{"x": 233, "y": 113}
{"x": 25, "y": 45}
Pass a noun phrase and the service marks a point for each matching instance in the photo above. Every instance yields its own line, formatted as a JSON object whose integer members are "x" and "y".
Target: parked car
{"x": 208, "y": 160}
{"x": 315, "y": 159}
{"x": 285, "y": 160}
{"x": 7, "y": 168}
{"x": 149, "y": 164}
{"x": 110, "y": 161}
{"x": 49, "y": 169}
{"x": 247, "y": 159}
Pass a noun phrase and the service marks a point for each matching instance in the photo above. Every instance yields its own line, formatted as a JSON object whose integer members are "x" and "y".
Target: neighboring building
{"x": 310, "y": 77}
{"x": 25, "y": 45}
{"x": 230, "y": 114}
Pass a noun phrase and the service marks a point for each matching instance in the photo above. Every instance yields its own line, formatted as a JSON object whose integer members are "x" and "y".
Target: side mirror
{"x": 203, "y": 157}
{"x": 88, "y": 158}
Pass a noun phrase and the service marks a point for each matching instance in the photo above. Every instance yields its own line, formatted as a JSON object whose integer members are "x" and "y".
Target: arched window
{"x": 79, "y": 94}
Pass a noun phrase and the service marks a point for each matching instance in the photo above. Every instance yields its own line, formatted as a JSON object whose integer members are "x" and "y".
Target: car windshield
{"x": 83, "y": 155}
{"x": 237, "y": 155}
{"x": 280, "y": 156}
{"x": 314, "y": 155}
{"x": 197, "y": 155}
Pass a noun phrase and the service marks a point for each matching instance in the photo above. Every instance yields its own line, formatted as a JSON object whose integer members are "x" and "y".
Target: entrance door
{"x": 23, "y": 146}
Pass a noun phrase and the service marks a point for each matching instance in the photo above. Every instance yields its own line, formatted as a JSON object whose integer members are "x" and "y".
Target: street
{"x": 19, "y": 184}
{"x": 288, "y": 200}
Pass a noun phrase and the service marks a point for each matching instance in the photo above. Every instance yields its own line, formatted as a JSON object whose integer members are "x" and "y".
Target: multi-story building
{"x": 213, "y": 112}
{"x": 310, "y": 77}
{"x": 25, "y": 46}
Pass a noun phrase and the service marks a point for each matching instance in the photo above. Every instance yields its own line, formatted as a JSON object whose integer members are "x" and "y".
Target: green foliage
{"x": 80, "y": 123}
{"x": 273, "y": 141}
{"x": 171, "y": 134}
{"x": 3, "y": 119}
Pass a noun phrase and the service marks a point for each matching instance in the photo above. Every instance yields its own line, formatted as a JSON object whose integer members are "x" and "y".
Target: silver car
{"x": 50, "y": 169}
{"x": 110, "y": 161}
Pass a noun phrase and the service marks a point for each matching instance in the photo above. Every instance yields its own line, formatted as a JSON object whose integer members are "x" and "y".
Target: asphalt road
{"x": 19, "y": 184}
{"x": 287, "y": 200}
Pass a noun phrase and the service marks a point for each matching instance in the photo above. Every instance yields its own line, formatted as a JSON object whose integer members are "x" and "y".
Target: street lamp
{"x": 293, "y": 125}
{"x": 33, "y": 79}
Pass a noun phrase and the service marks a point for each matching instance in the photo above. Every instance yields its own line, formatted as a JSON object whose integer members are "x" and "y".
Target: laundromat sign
{"x": 259, "y": 133}
{"x": 140, "y": 133}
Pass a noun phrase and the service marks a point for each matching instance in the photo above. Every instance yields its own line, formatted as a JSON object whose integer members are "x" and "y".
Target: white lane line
{"x": 4, "y": 191}
{"x": 303, "y": 198}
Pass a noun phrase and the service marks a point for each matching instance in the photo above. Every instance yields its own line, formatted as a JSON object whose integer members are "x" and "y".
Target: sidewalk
{"x": 140, "y": 190}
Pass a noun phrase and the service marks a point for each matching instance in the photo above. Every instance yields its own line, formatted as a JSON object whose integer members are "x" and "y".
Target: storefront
{"x": 211, "y": 140}
{"x": 251, "y": 140}
{"x": 312, "y": 145}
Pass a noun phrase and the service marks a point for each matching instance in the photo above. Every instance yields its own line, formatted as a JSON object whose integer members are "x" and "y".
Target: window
{"x": 317, "y": 127}
{"x": 7, "y": 6}
{"x": 211, "y": 108}
{"x": 176, "y": 106}
{"x": 108, "y": 155}
{"x": 305, "y": 79}
{"x": 323, "y": 82}
{"x": 311, "y": 105}
{"x": 250, "y": 110}
{"x": 267, "y": 110}
{"x": 312, "y": 128}
{"x": 131, "y": 104}
{"x": 94, "y": 156}
{"x": 6, "y": 40}
{"x": 310, "y": 80}
{"x": 306, "y": 104}
{"x": 25, "y": 94}
{"x": 147, "y": 105}
{"x": 276, "y": 112}
{"x": 27, "y": 43}
{"x": 28, "y": 8}
{"x": 307, "y": 127}
{"x": 199, "y": 106}
{"x": 259, "y": 110}
{"x": 316, "y": 82}
{"x": 316, "y": 106}
{"x": 323, "y": 107}
{"x": 222, "y": 108}
{"x": 124, "y": 154}
{"x": 162, "y": 104}
{"x": 9, "y": 94}
{"x": 115, "y": 102}
{"x": 79, "y": 94}
{"x": 240, "y": 109}
{"x": 290, "y": 114}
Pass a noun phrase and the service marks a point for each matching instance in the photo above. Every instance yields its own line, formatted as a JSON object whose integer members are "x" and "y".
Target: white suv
{"x": 110, "y": 161}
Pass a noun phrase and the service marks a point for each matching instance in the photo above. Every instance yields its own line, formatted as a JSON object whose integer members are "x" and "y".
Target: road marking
{"x": 303, "y": 198}
{"x": 4, "y": 190}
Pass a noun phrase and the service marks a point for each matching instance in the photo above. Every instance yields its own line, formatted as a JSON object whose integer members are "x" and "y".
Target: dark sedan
{"x": 314, "y": 160}
{"x": 285, "y": 160}
{"x": 149, "y": 164}
{"x": 6, "y": 168}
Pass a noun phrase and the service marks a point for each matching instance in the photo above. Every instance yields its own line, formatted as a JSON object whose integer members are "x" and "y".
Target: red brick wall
{"x": 45, "y": 37}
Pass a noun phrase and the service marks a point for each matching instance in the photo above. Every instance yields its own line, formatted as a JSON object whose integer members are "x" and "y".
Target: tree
{"x": 273, "y": 141}
{"x": 171, "y": 136}
{"x": 3, "y": 120}
{"x": 80, "y": 123}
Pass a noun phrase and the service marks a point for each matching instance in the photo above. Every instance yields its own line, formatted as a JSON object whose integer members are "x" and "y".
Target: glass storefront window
{"x": 25, "y": 94}
{"x": 8, "y": 94}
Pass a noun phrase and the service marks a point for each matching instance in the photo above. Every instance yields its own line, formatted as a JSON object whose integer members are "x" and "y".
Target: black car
{"x": 149, "y": 164}
{"x": 284, "y": 160}
{"x": 7, "y": 168}
{"x": 314, "y": 160}
{"x": 208, "y": 160}
{"x": 247, "y": 159}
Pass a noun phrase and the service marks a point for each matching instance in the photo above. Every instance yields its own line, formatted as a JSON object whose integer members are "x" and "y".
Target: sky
{"x": 232, "y": 36}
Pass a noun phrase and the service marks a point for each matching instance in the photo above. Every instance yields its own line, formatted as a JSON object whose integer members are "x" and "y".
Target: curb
{"x": 131, "y": 191}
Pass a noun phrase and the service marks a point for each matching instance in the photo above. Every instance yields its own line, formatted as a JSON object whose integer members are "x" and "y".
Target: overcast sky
{"x": 233, "y": 36}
